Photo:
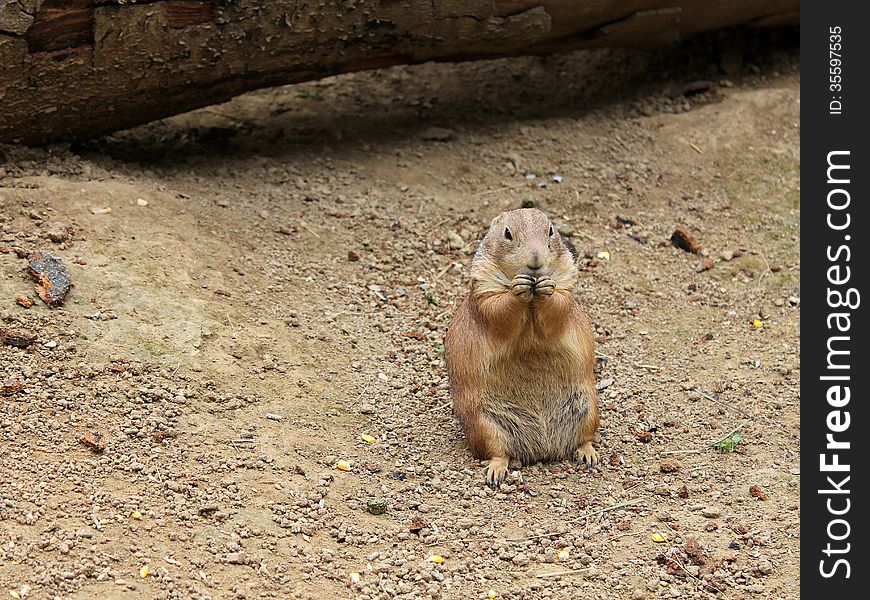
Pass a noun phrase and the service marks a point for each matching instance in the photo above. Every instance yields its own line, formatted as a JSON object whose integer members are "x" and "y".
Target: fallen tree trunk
{"x": 75, "y": 69}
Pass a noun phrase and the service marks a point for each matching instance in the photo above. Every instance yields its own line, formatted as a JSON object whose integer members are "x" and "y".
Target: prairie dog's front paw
{"x": 522, "y": 284}
{"x": 544, "y": 286}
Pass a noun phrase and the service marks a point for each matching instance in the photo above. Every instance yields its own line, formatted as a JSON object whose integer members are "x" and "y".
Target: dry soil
{"x": 258, "y": 285}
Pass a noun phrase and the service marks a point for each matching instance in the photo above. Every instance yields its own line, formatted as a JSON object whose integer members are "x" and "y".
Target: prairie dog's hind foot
{"x": 586, "y": 454}
{"x": 496, "y": 471}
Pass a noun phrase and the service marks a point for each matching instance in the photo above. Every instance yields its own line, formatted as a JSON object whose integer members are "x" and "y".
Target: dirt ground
{"x": 275, "y": 278}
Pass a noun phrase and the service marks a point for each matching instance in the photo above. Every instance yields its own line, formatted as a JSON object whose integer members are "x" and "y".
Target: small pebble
{"x": 438, "y": 134}
{"x": 376, "y": 505}
{"x": 604, "y": 384}
{"x": 520, "y": 559}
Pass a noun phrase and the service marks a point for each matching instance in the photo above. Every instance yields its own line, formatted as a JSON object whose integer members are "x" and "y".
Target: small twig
{"x": 711, "y": 444}
{"x": 442, "y": 272}
{"x": 650, "y": 367}
{"x": 441, "y": 407}
{"x": 696, "y": 148}
{"x": 608, "y": 509}
{"x": 766, "y": 271}
{"x": 621, "y": 535}
{"x": 320, "y": 317}
{"x": 730, "y": 433}
{"x": 311, "y": 231}
{"x": 586, "y": 516}
{"x": 224, "y": 116}
{"x": 679, "y": 564}
{"x": 602, "y": 355}
{"x": 478, "y": 539}
{"x": 358, "y": 398}
{"x": 535, "y": 537}
{"x": 717, "y": 401}
{"x": 428, "y": 270}
{"x": 565, "y": 572}
{"x": 436, "y": 225}
{"x": 665, "y": 523}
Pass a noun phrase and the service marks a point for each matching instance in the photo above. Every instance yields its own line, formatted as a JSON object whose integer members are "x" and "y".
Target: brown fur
{"x": 520, "y": 351}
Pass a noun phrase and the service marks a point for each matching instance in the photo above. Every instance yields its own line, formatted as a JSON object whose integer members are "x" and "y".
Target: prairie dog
{"x": 520, "y": 351}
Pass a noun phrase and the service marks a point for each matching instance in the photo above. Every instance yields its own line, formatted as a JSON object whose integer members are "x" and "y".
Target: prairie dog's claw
{"x": 586, "y": 454}
{"x": 496, "y": 471}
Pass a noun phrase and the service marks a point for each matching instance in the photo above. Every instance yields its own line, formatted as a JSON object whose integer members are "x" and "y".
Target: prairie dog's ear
{"x": 570, "y": 246}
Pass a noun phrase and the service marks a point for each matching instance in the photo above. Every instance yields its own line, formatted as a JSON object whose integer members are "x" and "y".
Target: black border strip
{"x": 835, "y": 64}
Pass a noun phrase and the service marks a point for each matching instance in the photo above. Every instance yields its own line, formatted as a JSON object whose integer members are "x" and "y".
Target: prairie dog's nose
{"x": 535, "y": 261}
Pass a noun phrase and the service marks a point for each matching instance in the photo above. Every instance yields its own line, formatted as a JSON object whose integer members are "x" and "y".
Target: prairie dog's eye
{"x": 552, "y": 231}
{"x": 507, "y": 234}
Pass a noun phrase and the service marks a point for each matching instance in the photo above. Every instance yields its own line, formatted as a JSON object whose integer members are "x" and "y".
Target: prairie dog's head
{"x": 522, "y": 241}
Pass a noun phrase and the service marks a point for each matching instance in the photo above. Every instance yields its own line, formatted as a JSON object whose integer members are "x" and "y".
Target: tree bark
{"x": 75, "y": 69}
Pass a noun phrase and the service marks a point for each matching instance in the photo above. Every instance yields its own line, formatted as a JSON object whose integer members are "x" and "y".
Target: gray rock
{"x": 520, "y": 559}
{"x": 454, "y": 240}
{"x": 57, "y": 232}
{"x": 438, "y": 134}
{"x": 604, "y": 384}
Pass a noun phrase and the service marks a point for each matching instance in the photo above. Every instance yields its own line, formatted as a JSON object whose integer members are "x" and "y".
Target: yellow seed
{"x": 144, "y": 571}
{"x": 758, "y": 324}
{"x": 367, "y": 438}
{"x": 343, "y": 465}
{"x": 136, "y": 515}
{"x": 604, "y": 255}
{"x": 659, "y": 537}
{"x": 491, "y": 594}
{"x": 564, "y": 554}
{"x": 354, "y": 577}
{"x": 436, "y": 558}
